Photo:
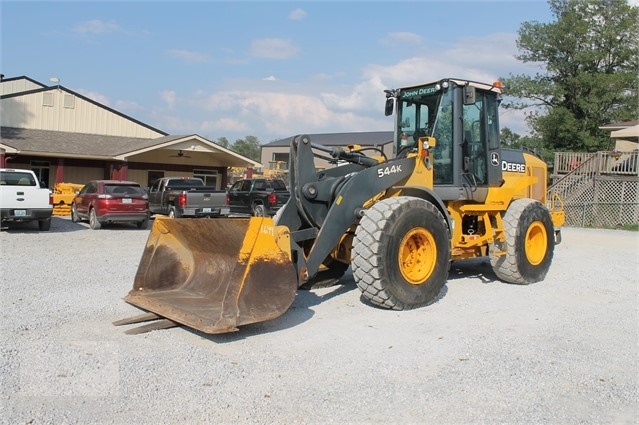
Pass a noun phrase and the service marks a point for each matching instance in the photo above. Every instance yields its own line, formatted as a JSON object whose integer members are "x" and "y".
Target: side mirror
{"x": 390, "y": 106}
{"x": 428, "y": 142}
{"x": 469, "y": 95}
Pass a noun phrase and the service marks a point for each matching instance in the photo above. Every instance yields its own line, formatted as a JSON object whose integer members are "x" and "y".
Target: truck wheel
{"x": 277, "y": 216}
{"x": 74, "y": 214}
{"x": 44, "y": 225}
{"x": 94, "y": 224}
{"x": 401, "y": 253}
{"x": 259, "y": 211}
{"x": 529, "y": 244}
{"x": 173, "y": 212}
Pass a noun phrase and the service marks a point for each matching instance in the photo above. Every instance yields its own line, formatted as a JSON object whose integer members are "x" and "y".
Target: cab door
{"x": 481, "y": 162}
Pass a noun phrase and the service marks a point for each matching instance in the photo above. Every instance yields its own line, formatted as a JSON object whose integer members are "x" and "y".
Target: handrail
{"x": 607, "y": 162}
{"x": 582, "y": 176}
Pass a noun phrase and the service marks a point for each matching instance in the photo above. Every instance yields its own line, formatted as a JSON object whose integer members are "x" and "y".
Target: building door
{"x": 41, "y": 170}
{"x": 152, "y": 176}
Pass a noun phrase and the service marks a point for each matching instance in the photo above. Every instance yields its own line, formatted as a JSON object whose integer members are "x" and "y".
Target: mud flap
{"x": 214, "y": 275}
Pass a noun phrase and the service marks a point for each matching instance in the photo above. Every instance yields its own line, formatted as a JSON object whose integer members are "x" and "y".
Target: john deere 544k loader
{"x": 451, "y": 192}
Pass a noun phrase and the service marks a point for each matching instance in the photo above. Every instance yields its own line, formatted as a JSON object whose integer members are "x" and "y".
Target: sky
{"x": 269, "y": 69}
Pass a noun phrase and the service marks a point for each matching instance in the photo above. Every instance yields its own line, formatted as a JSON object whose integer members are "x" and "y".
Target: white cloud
{"x": 127, "y": 105}
{"x": 297, "y": 14}
{"x": 169, "y": 97}
{"x": 281, "y": 109}
{"x": 188, "y": 56}
{"x": 223, "y": 126}
{"x": 401, "y": 39}
{"x": 365, "y": 96}
{"x": 96, "y": 26}
{"x": 98, "y": 97}
{"x": 274, "y": 48}
{"x": 278, "y": 115}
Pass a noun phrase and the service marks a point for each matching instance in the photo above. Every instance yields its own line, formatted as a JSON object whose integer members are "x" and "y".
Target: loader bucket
{"x": 215, "y": 274}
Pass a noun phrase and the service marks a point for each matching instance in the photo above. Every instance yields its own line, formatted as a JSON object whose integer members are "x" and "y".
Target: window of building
{"x": 47, "y": 99}
{"x": 69, "y": 101}
{"x": 210, "y": 177}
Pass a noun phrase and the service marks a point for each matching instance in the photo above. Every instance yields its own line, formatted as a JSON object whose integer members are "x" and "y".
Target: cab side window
{"x": 474, "y": 140}
{"x": 156, "y": 186}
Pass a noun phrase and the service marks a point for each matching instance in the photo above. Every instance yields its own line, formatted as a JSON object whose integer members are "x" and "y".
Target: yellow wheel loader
{"x": 451, "y": 192}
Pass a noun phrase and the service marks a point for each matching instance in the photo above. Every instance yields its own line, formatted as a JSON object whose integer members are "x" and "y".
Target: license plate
{"x": 206, "y": 210}
{"x": 126, "y": 200}
{"x": 20, "y": 213}
{"x": 225, "y": 210}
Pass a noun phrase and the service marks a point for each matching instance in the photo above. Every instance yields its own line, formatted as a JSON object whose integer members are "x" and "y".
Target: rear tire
{"x": 529, "y": 244}
{"x": 173, "y": 212}
{"x": 94, "y": 224}
{"x": 401, "y": 253}
{"x": 259, "y": 211}
{"x": 144, "y": 224}
{"x": 277, "y": 216}
{"x": 44, "y": 225}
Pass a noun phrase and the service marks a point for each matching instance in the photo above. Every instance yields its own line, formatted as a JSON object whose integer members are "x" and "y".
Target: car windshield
{"x": 123, "y": 190}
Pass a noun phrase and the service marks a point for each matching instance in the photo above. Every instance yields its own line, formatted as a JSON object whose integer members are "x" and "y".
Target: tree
{"x": 513, "y": 140}
{"x": 248, "y": 147}
{"x": 590, "y": 55}
{"x": 224, "y": 142}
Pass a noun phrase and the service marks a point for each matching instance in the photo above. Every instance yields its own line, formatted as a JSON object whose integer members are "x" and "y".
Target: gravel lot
{"x": 563, "y": 351}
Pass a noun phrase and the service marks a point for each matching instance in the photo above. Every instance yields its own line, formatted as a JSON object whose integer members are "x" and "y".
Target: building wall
{"x": 17, "y": 86}
{"x": 58, "y": 110}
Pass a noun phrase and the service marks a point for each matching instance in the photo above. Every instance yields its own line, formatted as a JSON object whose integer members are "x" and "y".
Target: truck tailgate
{"x": 201, "y": 203}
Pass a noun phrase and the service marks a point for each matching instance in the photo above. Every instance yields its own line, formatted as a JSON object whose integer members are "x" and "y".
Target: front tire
{"x": 74, "y": 214}
{"x": 401, "y": 253}
{"x": 94, "y": 224}
{"x": 529, "y": 245}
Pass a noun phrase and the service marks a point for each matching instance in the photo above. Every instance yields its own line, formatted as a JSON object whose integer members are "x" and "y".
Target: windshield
{"x": 420, "y": 110}
{"x": 427, "y": 111}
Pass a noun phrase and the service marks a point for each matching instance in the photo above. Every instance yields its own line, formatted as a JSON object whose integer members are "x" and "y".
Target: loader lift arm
{"x": 325, "y": 204}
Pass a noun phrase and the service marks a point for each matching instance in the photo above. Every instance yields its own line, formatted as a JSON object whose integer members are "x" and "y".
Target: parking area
{"x": 562, "y": 351}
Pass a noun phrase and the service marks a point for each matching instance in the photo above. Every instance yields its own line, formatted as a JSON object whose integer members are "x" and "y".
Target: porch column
{"x": 59, "y": 171}
{"x": 124, "y": 169}
{"x": 115, "y": 172}
{"x": 3, "y": 163}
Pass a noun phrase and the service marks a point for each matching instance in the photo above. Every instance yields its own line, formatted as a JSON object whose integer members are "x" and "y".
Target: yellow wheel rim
{"x": 536, "y": 243}
{"x": 417, "y": 255}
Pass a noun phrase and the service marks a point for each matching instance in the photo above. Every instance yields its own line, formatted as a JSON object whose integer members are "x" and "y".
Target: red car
{"x": 111, "y": 201}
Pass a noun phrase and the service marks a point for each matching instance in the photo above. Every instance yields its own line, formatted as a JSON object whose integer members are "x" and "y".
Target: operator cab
{"x": 462, "y": 116}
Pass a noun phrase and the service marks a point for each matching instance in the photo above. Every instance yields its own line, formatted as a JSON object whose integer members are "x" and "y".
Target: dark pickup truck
{"x": 186, "y": 197}
{"x": 258, "y": 197}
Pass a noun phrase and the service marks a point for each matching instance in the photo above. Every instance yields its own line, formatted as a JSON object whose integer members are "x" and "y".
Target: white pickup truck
{"x": 22, "y": 198}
